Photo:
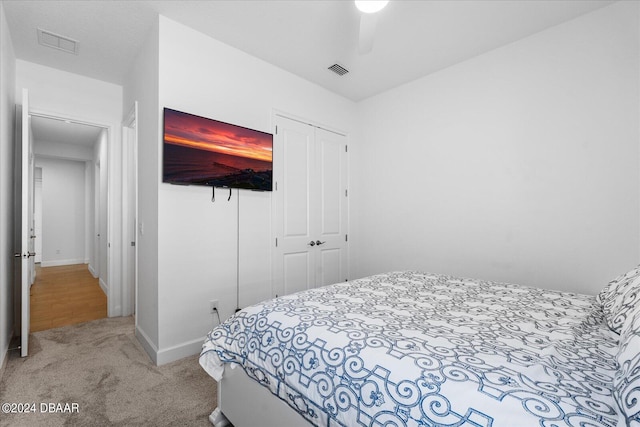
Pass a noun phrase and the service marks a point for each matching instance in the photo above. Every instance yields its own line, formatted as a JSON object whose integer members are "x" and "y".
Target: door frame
{"x": 129, "y": 224}
{"x": 114, "y": 287}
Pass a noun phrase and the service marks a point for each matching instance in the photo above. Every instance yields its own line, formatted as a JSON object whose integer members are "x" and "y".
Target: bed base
{"x": 245, "y": 403}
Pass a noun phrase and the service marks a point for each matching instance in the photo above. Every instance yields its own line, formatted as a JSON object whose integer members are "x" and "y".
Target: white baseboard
{"x": 104, "y": 287}
{"x": 148, "y": 346}
{"x": 180, "y": 351}
{"x": 92, "y": 271}
{"x": 60, "y": 262}
{"x": 5, "y": 352}
{"x": 171, "y": 354}
{"x": 5, "y": 357}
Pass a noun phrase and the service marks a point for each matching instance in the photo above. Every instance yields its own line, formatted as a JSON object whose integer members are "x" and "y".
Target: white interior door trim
{"x": 129, "y": 223}
{"x": 285, "y": 115}
{"x": 114, "y": 265}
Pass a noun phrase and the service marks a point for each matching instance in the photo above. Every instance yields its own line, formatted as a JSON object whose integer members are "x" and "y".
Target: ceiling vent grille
{"x": 338, "y": 69}
{"x": 56, "y": 41}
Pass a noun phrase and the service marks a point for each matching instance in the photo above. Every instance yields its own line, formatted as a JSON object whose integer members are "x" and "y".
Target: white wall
{"x": 7, "y": 122}
{"x": 62, "y": 150}
{"x": 197, "y": 239}
{"x": 63, "y": 207}
{"x": 142, "y": 86}
{"x": 88, "y": 155}
{"x": 518, "y": 165}
{"x": 71, "y": 95}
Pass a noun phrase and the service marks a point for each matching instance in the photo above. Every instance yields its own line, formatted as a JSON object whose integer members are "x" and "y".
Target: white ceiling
{"x": 412, "y": 38}
{"x": 49, "y": 130}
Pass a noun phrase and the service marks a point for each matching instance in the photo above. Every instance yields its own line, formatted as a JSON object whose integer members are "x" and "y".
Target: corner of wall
{"x": 141, "y": 85}
{"x": 170, "y": 354}
{"x": 147, "y": 344}
{"x": 3, "y": 363}
{"x": 180, "y": 351}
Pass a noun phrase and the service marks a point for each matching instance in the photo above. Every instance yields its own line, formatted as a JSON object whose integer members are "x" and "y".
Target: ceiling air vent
{"x": 338, "y": 69}
{"x": 56, "y": 41}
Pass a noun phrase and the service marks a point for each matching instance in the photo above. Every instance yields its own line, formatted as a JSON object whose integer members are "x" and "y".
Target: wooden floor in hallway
{"x": 65, "y": 295}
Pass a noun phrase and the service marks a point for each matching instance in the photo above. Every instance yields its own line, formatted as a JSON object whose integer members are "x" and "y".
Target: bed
{"x": 418, "y": 349}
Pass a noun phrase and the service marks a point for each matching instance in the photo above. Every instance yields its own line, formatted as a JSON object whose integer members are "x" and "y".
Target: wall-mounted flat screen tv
{"x": 202, "y": 151}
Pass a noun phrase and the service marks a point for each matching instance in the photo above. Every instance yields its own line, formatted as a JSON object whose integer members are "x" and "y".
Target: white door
{"x": 25, "y": 200}
{"x": 293, "y": 155}
{"x": 331, "y": 205}
{"x": 310, "y": 207}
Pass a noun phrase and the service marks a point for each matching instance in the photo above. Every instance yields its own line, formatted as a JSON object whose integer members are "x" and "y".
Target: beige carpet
{"x": 101, "y": 367}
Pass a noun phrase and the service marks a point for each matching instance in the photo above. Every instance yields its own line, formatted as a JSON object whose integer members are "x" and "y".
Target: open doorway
{"x": 71, "y": 281}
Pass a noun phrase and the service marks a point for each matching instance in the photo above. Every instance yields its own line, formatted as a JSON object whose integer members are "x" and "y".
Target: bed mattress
{"x": 419, "y": 349}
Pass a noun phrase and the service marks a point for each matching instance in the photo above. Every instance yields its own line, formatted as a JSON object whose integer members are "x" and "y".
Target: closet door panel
{"x": 329, "y": 266}
{"x": 329, "y": 154}
{"x": 297, "y": 272}
{"x": 296, "y": 184}
{"x": 294, "y": 214}
{"x": 332, "y": 196}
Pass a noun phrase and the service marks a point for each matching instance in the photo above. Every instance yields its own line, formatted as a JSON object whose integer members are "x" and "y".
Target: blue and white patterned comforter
{"x": 416, "y": 349}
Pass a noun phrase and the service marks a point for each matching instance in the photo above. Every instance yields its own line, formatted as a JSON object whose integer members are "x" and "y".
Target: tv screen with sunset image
{"x": 202, "y": 151}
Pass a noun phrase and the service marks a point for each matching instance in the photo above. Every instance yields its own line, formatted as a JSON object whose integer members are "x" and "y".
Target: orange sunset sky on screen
{"x": 211, "y": 135}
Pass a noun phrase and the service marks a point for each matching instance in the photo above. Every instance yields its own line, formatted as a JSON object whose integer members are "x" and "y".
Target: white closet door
{"x": 294, "y": 214}
{"x": 331, "y": 196}
{"x": 310, "y": 207}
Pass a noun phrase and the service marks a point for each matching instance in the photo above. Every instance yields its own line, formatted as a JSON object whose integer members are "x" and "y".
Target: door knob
{"x": 311, "y": 243}
{"x": 31, "y": 254}
{"x": 318, "y": 242}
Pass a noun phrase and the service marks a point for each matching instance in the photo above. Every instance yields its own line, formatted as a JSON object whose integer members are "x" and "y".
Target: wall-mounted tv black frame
{"x": 202, "y": 151}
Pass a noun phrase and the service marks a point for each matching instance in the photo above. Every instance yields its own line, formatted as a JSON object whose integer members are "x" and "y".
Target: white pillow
{"x": 619, "y": 297}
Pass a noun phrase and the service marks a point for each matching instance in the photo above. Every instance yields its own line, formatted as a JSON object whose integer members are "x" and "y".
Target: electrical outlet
{"x": 213, "y": 305}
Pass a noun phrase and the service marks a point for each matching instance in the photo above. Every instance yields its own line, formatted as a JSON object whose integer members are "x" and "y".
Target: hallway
{"x": 65, "y": 295}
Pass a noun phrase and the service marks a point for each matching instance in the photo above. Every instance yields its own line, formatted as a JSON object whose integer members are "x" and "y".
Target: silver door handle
{"x": 318, "y": 242}
{"x": 311, "y": 243}
{"x": 31, "y": 254}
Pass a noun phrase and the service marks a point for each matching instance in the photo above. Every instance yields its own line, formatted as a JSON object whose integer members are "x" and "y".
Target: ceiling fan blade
{"x": 368, "y": 22}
